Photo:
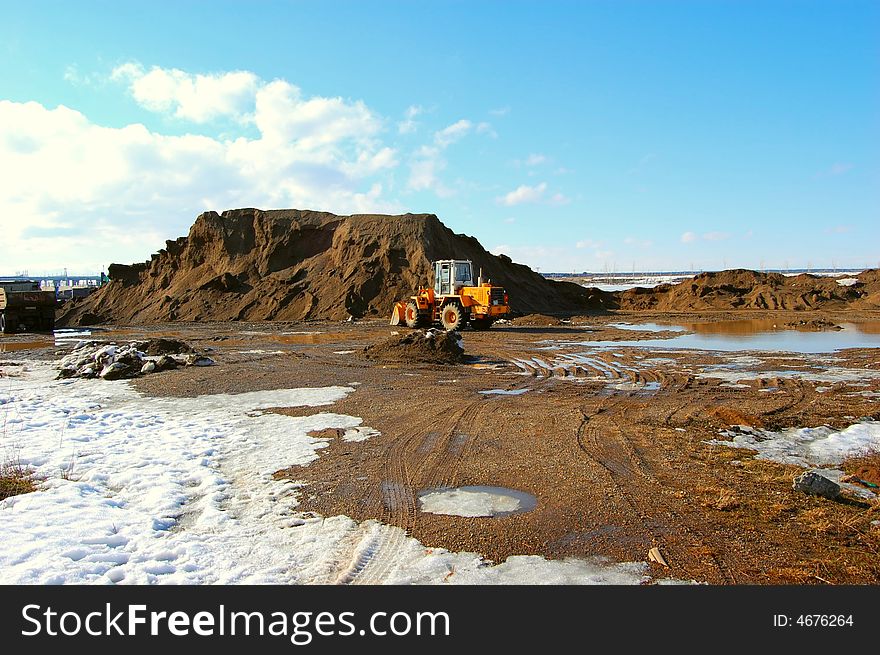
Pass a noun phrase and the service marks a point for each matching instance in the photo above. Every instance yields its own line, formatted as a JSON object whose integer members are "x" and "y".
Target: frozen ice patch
{"x": 360, "y": 433}
{"x": 476, "y": 501}
{"x": 504, "y": 392}
{"x": 808, "y": 447}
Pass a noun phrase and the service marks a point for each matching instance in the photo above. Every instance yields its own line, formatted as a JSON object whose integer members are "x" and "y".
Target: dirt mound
{"x": 164, "y": 346}
{"x": 536, "y": 319}
{"x": 424, "y": 347}
{"x": 248, "y": 264}
{"x": 744, "y": 289}
{"x": 730, "y": 417}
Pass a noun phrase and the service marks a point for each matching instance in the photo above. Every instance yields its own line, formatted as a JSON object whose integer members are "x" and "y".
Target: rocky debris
{"x": 163, "y": 346}
{"x": 249, "y": 264}
{"x": 816, "y": 485}
{"x": 90, "y": 359}
{"x": 419, "y": 346}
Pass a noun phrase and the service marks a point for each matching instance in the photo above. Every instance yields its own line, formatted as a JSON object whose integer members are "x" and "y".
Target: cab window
{"x": 462, "y": 272}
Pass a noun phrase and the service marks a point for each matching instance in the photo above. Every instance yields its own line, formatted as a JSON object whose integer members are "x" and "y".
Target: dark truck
{"x": 24, "y": 305}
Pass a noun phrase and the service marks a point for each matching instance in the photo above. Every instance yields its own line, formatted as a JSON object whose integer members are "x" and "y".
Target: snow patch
{"x": 476, "y": 501}
{"x": 808, "y": 447}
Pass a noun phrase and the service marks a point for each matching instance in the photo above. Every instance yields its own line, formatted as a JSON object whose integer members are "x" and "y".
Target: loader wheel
{"x": 481, "y": 323}
{"x": 7, "y": 325}
{"x": 451, "y": 316}
{"x": 411, "y": 314}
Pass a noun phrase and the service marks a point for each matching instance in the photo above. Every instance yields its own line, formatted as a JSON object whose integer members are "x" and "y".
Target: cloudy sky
{"x": 657, "y": 135}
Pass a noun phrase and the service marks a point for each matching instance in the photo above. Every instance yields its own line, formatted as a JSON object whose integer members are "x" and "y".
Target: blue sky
{"x": 569, "y": 135}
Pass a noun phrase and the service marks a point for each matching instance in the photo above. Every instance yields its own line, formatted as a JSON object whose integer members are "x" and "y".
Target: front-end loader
{"x": 454, "y": 301}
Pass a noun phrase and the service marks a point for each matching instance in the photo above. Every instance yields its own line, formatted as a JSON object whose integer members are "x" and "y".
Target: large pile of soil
{"x": 425, "y": 347}
{"x": 743, "y": 289}
{"x": 248, "y": 264}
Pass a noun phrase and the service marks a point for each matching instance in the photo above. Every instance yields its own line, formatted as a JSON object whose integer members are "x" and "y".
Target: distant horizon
{"x": 548, "y": 274}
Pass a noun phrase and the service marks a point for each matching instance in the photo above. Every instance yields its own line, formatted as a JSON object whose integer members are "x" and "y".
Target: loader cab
{"x": 450, "y": 275}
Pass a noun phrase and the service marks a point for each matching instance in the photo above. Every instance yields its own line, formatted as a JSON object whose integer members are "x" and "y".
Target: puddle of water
{"x": 14, "y": 346}
{"x": 756, "y": 334}
{"x": 314, "y": 337}
{"x": 476, "y": 501}
{"x": 648, "y": 327}
{"x": 504, "y": 392}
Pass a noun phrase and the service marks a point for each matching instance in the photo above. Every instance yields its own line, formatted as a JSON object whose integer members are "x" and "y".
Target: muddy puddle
{"x": 15, "y": 346}
{"x": 751, "y": 334}
{"x": 306, "y": 338}
{"x": 476, "y": 501}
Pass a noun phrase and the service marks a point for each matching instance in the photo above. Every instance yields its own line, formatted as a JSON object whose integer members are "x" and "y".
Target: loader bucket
{"x": 397, "y": 313}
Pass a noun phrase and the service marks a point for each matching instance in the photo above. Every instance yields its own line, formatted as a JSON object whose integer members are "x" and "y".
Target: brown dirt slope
{"x": 744, "y": 289}
{"x": 249, "y": 264}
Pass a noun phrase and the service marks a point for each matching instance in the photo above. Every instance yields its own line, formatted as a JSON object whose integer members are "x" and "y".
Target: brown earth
{"x": 248, "y": 264}
{"x": 613, "y": 446}
{"x": 536, "y": 319}
{"x": 421, "y": 347}
{"x": 742, "y": 289}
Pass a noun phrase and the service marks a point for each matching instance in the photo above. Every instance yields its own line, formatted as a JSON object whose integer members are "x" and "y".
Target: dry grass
{"x": 720, "y": 498}
{"x": 16, "y": 479}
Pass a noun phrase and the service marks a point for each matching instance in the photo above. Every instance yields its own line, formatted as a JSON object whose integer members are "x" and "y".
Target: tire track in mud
{"x": 420, "y": 459}
{"x": 600, "y": 438}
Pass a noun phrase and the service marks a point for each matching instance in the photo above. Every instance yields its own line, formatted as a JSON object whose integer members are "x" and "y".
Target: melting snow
{"x": 476, "y": 501}
{"x": 819, "y": 446}
{"x": 180, "y": 490}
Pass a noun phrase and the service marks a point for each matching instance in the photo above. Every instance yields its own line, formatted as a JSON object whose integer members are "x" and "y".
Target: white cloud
{"x": 510, "y": 220}
{"x": 198, "y": 98}
{"x": 535, "y": 159}
{"x": 73, "y": 75}
{"x": 501, "y": 111}
{"x": 487, "y": 129}
{"x": 427, "y": 161}
{"x": 589, "y": 243}
{"x": 452, "y": 133}
{"x": 689, "y": 237}
{"x": 409, "y": 123}
{"x": 524, "y": 194}
{"x": 116, "y": 193}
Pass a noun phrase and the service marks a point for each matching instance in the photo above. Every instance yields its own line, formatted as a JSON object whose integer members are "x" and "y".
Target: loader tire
{"x": 411, "y": 314}
{"x": 8, "y": 324}
{"x": 451, "y": 316}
